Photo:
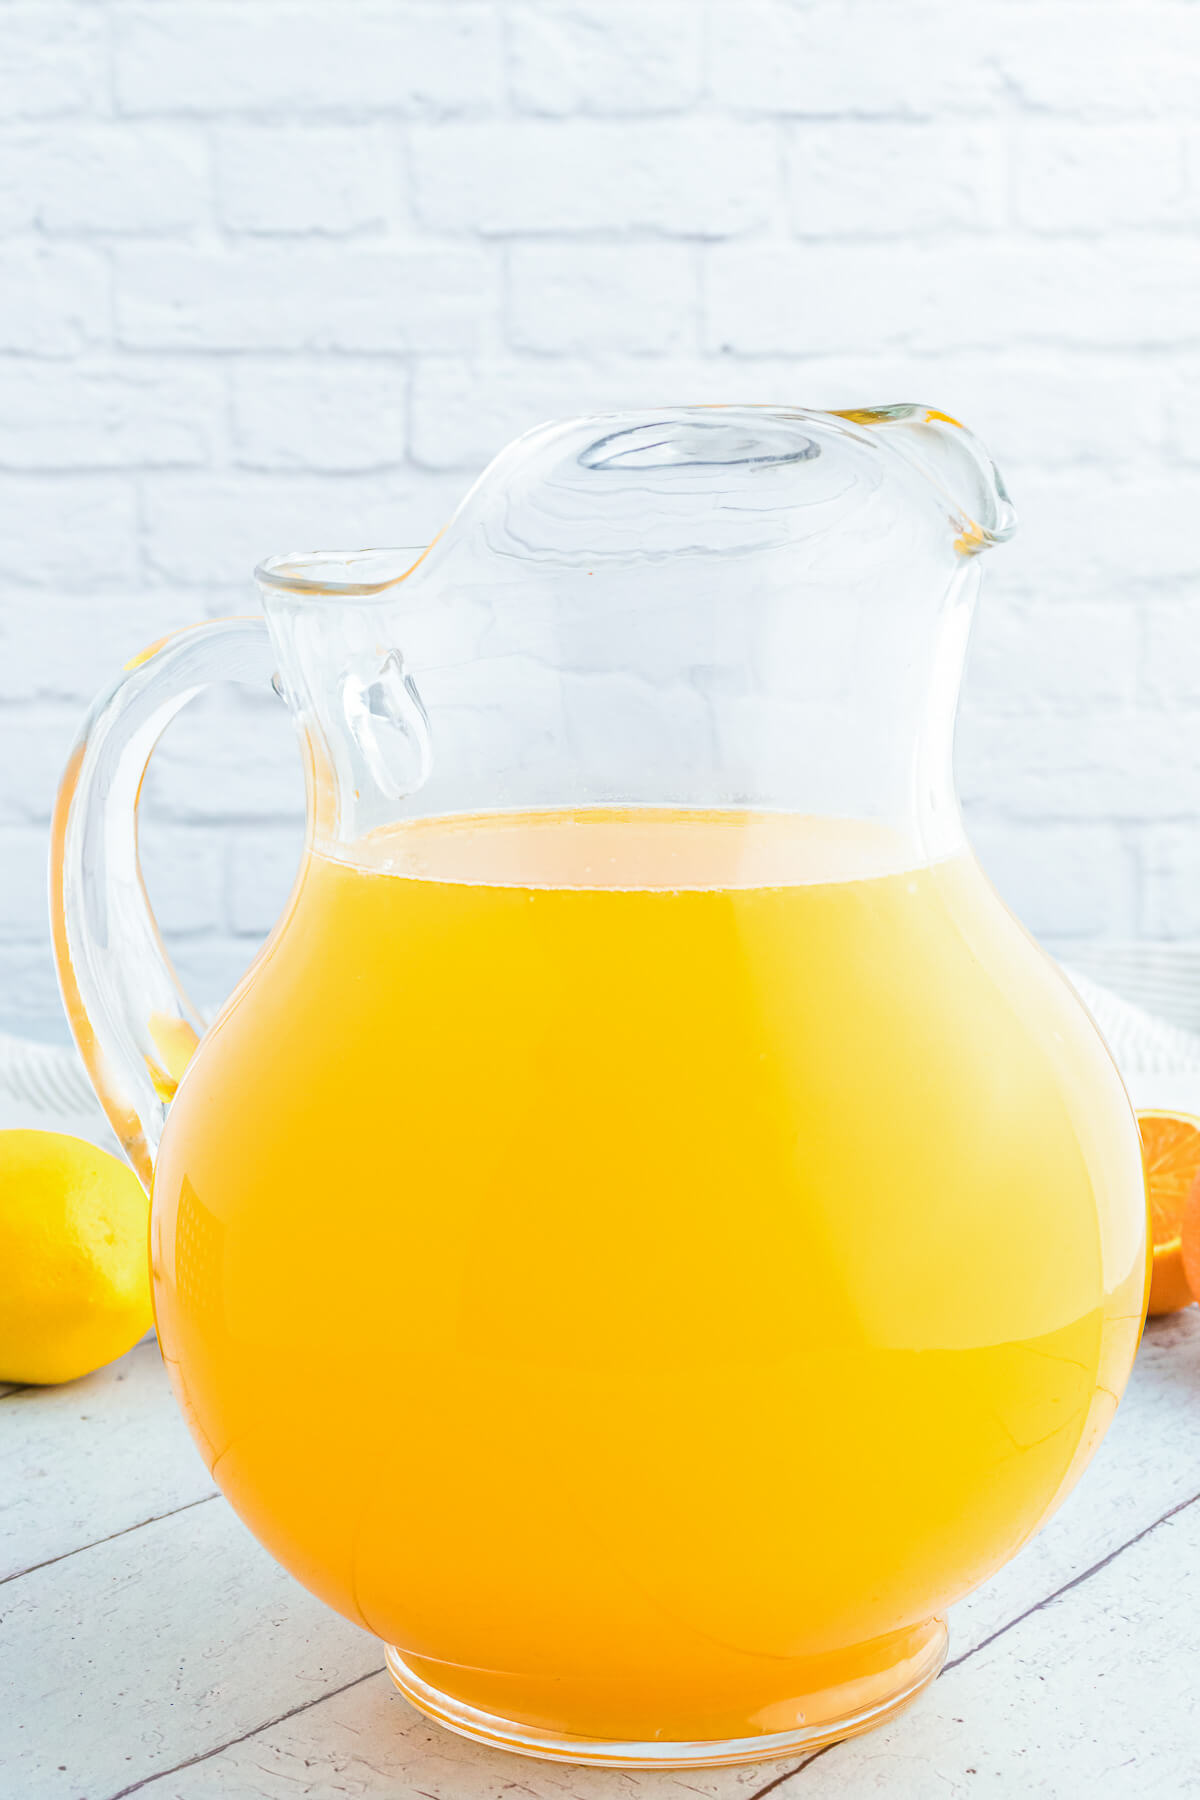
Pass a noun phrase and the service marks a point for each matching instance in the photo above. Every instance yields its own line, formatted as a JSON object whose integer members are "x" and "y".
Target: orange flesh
{"x": 1171, "y": 1156}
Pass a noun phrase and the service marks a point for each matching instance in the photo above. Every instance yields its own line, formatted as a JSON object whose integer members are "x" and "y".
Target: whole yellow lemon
{"x": 74, "y": 1257}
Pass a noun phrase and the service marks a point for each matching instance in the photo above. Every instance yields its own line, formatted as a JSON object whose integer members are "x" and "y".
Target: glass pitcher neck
{"x": 750, "y": 607}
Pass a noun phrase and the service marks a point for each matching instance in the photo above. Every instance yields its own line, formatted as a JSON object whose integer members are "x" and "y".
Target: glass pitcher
{"x": 650, "y": 1231}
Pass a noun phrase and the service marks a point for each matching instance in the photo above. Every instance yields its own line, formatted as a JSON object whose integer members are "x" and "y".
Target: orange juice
{"x": 642, "y": 1264}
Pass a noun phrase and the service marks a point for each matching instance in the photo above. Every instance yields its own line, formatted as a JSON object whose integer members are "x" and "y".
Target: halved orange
{"x": 1171, "y": 1157}
{"x": 1190, "y": 1239}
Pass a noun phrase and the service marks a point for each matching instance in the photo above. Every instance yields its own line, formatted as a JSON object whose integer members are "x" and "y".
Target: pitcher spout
{"x": 954, "y": 461}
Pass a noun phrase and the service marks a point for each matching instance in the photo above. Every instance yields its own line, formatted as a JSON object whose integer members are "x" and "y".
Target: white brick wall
{"x": 277, "y": 271}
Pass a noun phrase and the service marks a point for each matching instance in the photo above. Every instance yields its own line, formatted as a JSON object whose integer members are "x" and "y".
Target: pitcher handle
{"x": 132, "y": 1022}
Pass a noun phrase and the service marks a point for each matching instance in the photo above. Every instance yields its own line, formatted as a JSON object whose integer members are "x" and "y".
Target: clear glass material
{"x": 132, "y": 1022}
{"x": 650, "y": 1231}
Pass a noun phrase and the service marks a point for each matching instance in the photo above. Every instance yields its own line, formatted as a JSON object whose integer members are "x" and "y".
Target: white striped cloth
{"x": 45, "y": 1088}
{"x": 1148, "y": 1007}
{"x": 1161, "y": 979}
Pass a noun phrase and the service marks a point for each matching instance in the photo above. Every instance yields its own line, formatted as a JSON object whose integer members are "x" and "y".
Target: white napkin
{"x": 45, "y": 1088}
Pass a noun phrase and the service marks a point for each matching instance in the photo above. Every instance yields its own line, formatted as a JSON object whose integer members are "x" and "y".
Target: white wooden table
{"x": 149, "y": 1646}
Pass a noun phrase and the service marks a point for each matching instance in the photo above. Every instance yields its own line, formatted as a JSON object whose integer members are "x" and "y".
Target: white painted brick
{"x": 701, "y": 177}
{"x": 262, "y": 867}
{"x": 184, "y": 870}
{"x": 68, "y": 530}
{"x": 298, "y": 178}
{"x": 1029, "y": 407}
{"x": 1183, "y": 414}
{"x": 53, "y": 60}
{"x": 1093, "y": 532}
{"x": 53, "y": 301}
{"x": 1112, "y": 766}
{"x": 230, "y": 755}
{"x": 1035, "y": 409}
{"x": 335, "y": 414}
{"x": 463, "y": 413}
{"x": 64, "y": 415}
{"x": 583, "y": 298}
{"x": 1110, "y": 58}
{"x": 71, "y": 645}
{"x": 613, "y": 57}
{"x": 808, "y": 300}
{"x": 1059, "y": 657}
{"x": 216, "y": 529}
{"x": 1056, "y": 410}
{"x": 226, "y": 757}
{"x": 1063, "y": 881}
{"x": 883, "y": 179}
{"x": 1073, "y": 178}
{"x": 289, "y": 293}
{"x": 1029, "y": 411}
{"x": 225, "y": 56}
{"x": 1171, "y": 875}
{"x": 35, "y": 741}
{"x": 301, "y": 298}
{"x": 103, "y": 178}
{"x": 23, "y": 903}
{"x": 29, "y": 1001}
{"x": 1171, "y": 669}
{"x": 876, "y": 59}
{"x": 1191, "y": 167}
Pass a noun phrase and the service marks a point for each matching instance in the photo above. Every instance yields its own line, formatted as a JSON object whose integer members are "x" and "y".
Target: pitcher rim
{"x": 299, "y": 571}
{"x": 338, "y": 574}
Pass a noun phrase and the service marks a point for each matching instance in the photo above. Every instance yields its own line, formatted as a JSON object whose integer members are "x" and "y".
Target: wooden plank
{"x": 151, "y": 1647}
{"x": 1147, "y": 1464}
{"x": 230, "y": 1643}
{"x": 91, "y": 1458}
{"x": 1095, "y": 1694}
{"x": 368, "y": 1743}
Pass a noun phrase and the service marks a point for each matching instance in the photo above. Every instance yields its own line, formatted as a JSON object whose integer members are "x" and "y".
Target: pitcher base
{"x": 825, "y": 1718}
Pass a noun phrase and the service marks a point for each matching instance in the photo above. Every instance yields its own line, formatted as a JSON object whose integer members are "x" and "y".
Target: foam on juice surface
{"x": 643, "y": 848}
